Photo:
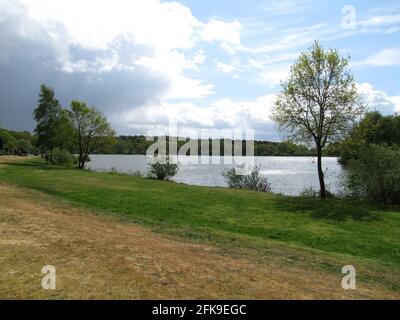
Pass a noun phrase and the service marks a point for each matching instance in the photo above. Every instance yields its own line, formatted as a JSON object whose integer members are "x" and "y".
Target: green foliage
{"x": 23, "y": 146}
{"x": 375, "y": 174}
{"x": 374, "y": 128}
{"x": 319, "y": 102}
{"x": 91, "y": 130}
{"x": 11, "y": 146}
{"x": 54, "y": 128}
{"x": 251, "y": 181}
{"x": 61, "y": 157}
{"x": 13, "y": 142}
{"x": 47, "y": 115}
{"x": 4, "y": 137}
{"x": 163, "y": 169}
{"x": 309, "y": 192}
{"x": 139, "y": 145}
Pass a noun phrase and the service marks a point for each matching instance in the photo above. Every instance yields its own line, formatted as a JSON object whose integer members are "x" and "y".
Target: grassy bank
{"x": 315, "y": 234}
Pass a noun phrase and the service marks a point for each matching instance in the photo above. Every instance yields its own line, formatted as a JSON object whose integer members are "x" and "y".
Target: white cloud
{"x": 222, "y": 114}
{"x": 199, "y": 58}
{"x": 284, "y": 40}
{"x": 227, "y": 33}
{"x": 172, "y": 64}
{"x": 228, "y": 113}
{"x": 376, "y": 21}
{"x": 95, "y": 23}
{"x": 272, "y": 75}
{"x": 385, "y": 57}
{"x": 378, "y": 100}
{"x": 255, "y": 64}
{"x": 225, "y": 68}
{"x": 160, "y": 32}
{"x": 284, "y": 6}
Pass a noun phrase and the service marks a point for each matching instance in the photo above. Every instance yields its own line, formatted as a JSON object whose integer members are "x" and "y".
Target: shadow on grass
{"x": 330, "y": 209}
{"x": 37, "y": 165}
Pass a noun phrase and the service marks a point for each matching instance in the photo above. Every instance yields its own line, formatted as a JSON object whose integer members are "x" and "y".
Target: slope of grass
{"x": 343, "y": 232}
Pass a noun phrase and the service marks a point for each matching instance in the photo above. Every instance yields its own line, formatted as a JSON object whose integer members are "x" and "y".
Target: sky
{"x": 202, "y": 64}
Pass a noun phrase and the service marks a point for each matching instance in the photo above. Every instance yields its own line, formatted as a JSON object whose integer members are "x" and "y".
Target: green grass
{"x": 340, "y": 230}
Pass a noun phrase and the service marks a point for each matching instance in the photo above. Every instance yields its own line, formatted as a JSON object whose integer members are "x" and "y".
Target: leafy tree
{"x": 65, "y": 133}
{"x": 23, "y": 146}
{"x": 61, "y": 157}
{"x": 319, "y": 101}
{"x": 90, "y": 128}
{"x": 4, "y": 137}
{"x": 374, "y": 128}
{"x": 11, "y": 145}
{"x": 47, "y": 115}
{"x": 375, "y": 174}
{"x": 54, "y": 128}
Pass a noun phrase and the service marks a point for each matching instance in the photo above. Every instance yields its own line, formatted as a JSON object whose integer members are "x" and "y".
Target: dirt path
{"x": 97, "y": 257}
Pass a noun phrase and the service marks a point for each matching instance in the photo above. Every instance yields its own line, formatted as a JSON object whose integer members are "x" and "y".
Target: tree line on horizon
{"x": 24, "y": 142}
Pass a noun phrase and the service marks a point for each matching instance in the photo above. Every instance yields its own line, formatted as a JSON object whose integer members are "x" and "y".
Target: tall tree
{"x": 319, "y": 101}
{"x": 4, "y": 137}
{"x": 91, "y": 130}
{"x": 47, "y": 115}
{"x": 54, "y": 127}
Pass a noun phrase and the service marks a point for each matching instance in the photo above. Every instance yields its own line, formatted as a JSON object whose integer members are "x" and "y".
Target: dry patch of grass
{"x": 7, "y": 159}
{"x": 102, "y": 258}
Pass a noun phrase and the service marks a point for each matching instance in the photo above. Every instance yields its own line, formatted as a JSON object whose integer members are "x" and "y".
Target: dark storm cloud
{"x": 28, "y": 61}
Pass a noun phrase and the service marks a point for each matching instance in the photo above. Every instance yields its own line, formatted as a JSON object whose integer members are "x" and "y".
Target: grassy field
{"x": 293, "y": 233}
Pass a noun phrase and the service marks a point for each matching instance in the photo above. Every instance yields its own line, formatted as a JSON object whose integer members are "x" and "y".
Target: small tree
{"x": 23, "y": 146}
{"x": 163, "y": 169}
{"x": 90, "y": 128}
{"x": 61, "y": 157}
{"x": 252, "y": 181}
{"x": 319, "y": 102}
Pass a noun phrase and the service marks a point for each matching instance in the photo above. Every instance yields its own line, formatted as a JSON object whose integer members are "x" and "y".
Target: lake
{"x": 288, "y": 175}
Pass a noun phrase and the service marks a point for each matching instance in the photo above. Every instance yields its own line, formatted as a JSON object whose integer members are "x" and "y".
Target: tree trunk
{"x": 322, "y": 190}
{"x": 81, "y": 164}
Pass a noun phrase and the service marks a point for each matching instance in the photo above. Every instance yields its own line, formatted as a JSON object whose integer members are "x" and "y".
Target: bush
{"x": 375, "y": 175}
{"x": 23, "y": 147}
{"x": 163, "y": 169}
{"x": 61, "y": 157}
{"x": 309, "y": 192}
{"x": 252, "y": 181}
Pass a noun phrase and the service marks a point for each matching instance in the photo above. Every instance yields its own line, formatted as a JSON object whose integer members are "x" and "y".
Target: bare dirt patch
{"x": 102, "y": 258}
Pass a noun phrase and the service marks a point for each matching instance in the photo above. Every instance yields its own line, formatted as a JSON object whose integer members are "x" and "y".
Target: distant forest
{"x": 24, "y": 142}
{"x": 138, "y": 145}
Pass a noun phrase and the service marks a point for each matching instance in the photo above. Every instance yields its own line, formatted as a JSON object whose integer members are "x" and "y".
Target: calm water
{"x": 288, "y": 175}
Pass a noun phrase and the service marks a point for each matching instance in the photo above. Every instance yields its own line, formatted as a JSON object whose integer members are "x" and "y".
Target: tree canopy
{"x": 47, "y": 116}
{"x": 374, "y": 128}
{"x": 91, "y": 129}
